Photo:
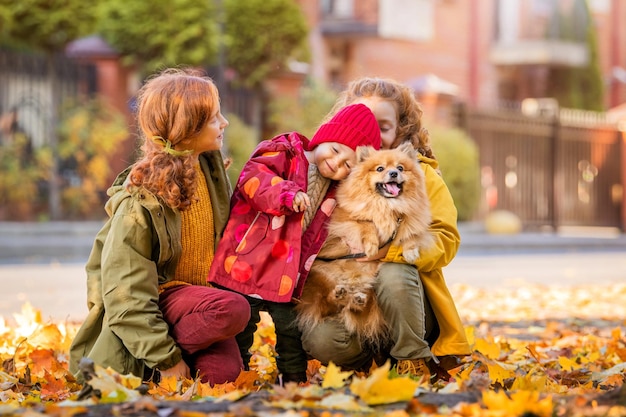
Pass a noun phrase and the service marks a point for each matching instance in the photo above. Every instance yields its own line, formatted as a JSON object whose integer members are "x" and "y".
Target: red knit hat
{"x": 354, "y": 125}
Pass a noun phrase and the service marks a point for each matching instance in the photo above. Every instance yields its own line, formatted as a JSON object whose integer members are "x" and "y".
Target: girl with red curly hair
{"x": 150, "y": 307}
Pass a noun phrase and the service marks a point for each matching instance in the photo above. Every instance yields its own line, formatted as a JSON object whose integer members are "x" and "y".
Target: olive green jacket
{"x": 137, "y": 250}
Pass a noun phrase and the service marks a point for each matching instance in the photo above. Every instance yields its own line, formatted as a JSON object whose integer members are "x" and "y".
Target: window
{"x": 508, "y": 21}
{"x": 337, "y": 8}
{"x": 406, "y": 19}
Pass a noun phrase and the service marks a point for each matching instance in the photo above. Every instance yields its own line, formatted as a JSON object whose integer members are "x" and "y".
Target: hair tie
{"x": 167, "y": 147}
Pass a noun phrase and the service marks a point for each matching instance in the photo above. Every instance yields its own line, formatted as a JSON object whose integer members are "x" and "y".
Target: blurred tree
{"x": 258, "y": 35}
{"x": 48, "y": 26}
{"x": 240, "y": 141}
{"x": 161, "y": 33}
{"x": 252, "y": 38}
{"x": 303, "y": 115}
{"x": 23, "y": 168}
{"x": 579, "y": 88}
{"x": 89, "y": 135}
{"x": 262, "y": 35}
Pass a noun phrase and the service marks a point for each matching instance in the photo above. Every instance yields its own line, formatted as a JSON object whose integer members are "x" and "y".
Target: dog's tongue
{"x": 392, "y": 188}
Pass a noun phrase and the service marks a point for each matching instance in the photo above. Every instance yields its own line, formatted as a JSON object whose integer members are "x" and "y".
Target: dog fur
{"x": 383, "y": 200}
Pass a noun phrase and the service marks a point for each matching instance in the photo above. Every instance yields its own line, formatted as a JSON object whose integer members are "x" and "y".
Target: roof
{"x": 90, "y": 46}
{"x": 430, "y": 83}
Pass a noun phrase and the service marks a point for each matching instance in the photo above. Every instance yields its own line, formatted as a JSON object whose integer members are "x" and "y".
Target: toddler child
{"x": 279, "y": 210}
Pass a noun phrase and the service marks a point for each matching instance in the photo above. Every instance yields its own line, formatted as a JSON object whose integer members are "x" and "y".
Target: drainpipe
{"x": 615, "y": 85}
{"x": 473, "y": 52}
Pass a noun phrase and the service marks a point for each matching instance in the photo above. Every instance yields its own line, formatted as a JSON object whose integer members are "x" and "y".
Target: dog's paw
{"x": 411, "y": 255}
{"x": 340, "y": 292}
{"x": 359, "y": 300}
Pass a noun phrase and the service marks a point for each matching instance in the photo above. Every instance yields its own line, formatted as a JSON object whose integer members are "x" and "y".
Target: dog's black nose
{"x": 393, "y": 174}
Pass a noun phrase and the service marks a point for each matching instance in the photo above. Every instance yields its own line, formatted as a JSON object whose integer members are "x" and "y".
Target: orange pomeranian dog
{"x": 382, "y": 201}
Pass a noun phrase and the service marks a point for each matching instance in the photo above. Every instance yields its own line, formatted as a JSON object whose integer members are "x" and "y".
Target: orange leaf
{"x": 247, "y": 380}
{"x": 53, "y": 388}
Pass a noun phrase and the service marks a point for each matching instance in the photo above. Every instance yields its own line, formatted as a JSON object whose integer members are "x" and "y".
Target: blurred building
{"x": 551, "y": 167}
{"x": 491, "y": 50}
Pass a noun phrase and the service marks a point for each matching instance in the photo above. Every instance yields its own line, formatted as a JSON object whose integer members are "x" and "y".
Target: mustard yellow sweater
{"x": 197, "y": 237}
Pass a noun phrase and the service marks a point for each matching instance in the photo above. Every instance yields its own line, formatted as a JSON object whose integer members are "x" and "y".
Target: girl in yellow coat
{"x": 427, "y": 335}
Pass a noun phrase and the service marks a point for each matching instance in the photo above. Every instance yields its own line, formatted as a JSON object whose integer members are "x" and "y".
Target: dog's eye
{"x": 400, "y": 168}
{"x": 380, "y": 169}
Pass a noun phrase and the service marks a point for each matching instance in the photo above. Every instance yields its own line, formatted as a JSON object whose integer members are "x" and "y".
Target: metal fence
{"x": 559, "y": 168}
{"x": 26, "y": 91}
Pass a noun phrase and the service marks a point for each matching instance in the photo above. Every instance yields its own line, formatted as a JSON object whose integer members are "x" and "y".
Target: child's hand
{"x": 301, "y": 201}
{"x": 178, "y": 371}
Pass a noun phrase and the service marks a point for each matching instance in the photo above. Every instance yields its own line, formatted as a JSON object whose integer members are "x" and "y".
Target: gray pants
{"x": 405, "y": 309}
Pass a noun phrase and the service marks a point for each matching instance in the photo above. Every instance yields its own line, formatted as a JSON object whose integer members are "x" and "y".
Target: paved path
{"x": 59, "y": 291}
{"x": 43, "y": 263}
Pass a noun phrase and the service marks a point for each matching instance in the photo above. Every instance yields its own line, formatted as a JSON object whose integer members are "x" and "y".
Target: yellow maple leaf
{"x": 334, "y": 377}
{"x": 498, "y": 372}
{"x": 590, "y": 357}
{"x": 530, "y": 382}
{"x": 488, "y": 348}
{"x": 518, "y": 403}
{"x": 568, "y": 364}
{"x": 378, "y": 388}
{"x": 169, "y": 383}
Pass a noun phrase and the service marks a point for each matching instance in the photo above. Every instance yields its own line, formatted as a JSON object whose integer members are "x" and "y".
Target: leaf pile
{"x": 537, "y": 351}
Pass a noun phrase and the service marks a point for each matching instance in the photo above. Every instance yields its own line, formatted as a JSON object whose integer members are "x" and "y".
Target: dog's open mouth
{"x": 390, "y": 189}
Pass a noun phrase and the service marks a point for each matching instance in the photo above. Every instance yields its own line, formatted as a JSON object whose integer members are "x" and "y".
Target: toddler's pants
{"x": 291, "y": 357}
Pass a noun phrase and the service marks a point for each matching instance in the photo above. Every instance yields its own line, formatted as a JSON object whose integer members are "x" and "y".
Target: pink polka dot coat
{"x": 264, "y": 252}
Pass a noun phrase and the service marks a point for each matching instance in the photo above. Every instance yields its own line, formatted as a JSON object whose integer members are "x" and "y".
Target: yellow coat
{"x": 452, "y": 339}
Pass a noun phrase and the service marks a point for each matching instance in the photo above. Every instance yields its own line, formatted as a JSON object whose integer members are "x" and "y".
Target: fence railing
{"x": 26, "y": 94}
{"x": 561, "y": 168}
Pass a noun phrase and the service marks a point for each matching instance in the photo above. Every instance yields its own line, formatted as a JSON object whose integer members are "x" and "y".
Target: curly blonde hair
{"x": 172, "y": 106}
{"x": 410, "y": 127}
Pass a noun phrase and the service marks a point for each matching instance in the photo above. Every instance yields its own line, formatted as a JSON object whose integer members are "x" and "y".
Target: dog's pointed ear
{"x": 363, "y": 152}
{"x": 407, "y": 148}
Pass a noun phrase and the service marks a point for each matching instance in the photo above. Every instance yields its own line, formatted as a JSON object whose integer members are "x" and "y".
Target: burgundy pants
{"x": 204, "y": 322}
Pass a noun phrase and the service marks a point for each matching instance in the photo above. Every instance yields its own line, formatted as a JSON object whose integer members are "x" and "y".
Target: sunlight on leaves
{"x": 378, "y": 388}
{"x": 530, "y": 366}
